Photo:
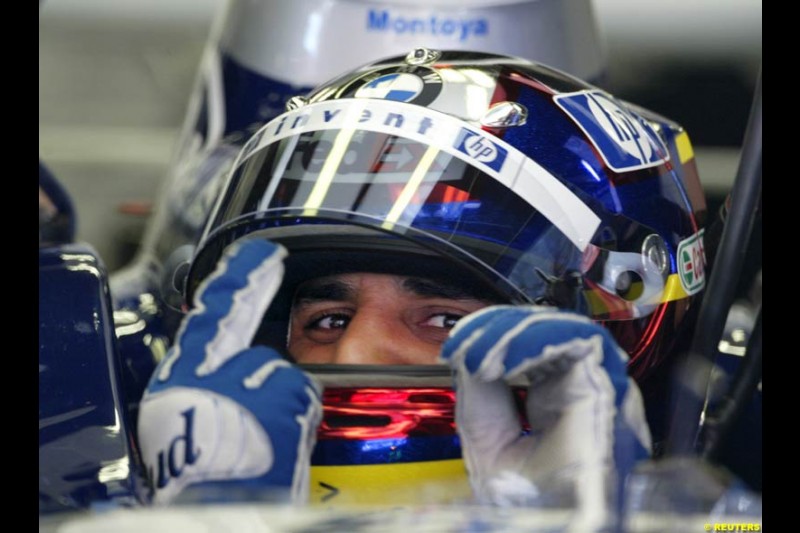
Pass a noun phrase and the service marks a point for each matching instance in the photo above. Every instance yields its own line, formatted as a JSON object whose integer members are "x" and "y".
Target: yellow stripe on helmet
{"x": 673, "y": 290}
{"x": 684, "y": 147}
{"x": 398, "y": 483}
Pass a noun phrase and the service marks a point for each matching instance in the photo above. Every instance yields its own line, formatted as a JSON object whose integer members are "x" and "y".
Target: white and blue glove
{"x": 587, "y": 418}
{"x": 218, "y": 410}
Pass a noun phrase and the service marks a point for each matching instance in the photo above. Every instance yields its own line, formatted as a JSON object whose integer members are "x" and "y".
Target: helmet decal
{"x": 624, "y": 139}
{"x": 398, "y": 86}
{"x": 419, "y": 85}
{"x": 691, "y": 263}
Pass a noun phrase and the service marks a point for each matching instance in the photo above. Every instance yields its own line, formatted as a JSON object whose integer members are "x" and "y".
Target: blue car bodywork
{"x": 87, "y": 452}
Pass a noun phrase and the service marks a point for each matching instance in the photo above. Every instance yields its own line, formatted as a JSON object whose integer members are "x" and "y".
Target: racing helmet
{"x": 507, "y": 175}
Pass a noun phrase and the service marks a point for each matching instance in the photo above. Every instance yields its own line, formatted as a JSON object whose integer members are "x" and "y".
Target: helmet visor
{"x": 411, "y": 172}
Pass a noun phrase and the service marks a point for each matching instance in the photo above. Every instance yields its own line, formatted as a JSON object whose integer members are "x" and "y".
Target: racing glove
{"x": 586, "y": 416}
{"x": 217, "y": 410}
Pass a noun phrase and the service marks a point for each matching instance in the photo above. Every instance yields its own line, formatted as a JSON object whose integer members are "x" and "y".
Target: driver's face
{"x": 374, "y": 319}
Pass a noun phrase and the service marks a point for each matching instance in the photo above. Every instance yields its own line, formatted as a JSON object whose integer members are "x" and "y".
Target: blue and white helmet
{"x": 527, "y": 181}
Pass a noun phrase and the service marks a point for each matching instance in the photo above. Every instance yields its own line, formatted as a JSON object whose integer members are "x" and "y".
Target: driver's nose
{"x": 371, "y": 338}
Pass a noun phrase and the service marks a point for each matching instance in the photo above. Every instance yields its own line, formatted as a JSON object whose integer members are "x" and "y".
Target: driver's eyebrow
{"x": 333, "y": 289}
{"x": 427, "y": 288}
{"x": 323, "y": 290}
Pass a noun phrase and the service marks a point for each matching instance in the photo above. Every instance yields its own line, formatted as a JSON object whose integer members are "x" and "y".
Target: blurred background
{"x": 115, "y": 79}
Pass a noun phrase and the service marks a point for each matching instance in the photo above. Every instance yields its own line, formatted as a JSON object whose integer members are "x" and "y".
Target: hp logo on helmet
{"x": 481, "y": 149}
{"x": 625, "y": 140}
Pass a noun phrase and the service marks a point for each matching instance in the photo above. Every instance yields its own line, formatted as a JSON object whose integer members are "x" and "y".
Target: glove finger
{"x": 296, "y": 398}
{"x": 229, "y": 306}
{"x": 550, "y": 344}
{"x": 528, "y": 340}
{"x": 478, "y": 319}
{"x": 283, "y": 379}
{"x": 487, "y": 421}
{"x": 487, "y": 352}
{"x": 476, "y": 334}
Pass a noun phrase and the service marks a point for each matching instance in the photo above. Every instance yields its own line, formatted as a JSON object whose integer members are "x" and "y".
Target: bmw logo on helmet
{"x": 420, "y": 85}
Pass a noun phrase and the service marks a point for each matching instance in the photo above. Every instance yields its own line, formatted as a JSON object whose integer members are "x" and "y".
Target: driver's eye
{"x": 443, "y": 320}
{"x": 335, "y": 321}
